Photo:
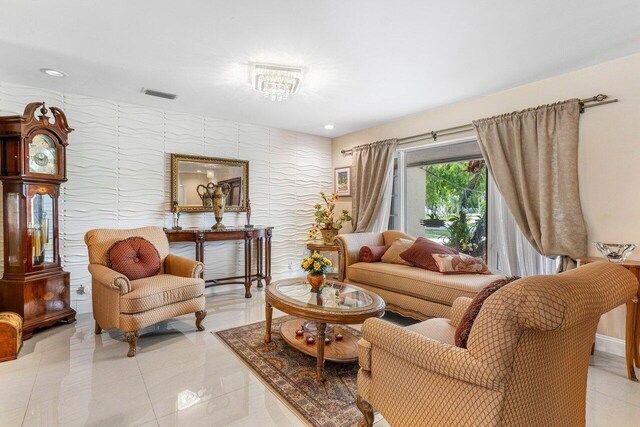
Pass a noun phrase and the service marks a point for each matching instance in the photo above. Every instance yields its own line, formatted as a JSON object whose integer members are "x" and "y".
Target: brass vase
{"x": 315, "y": 280}
{"x": 219, "y": 198}
{"x": 328, "y": 234}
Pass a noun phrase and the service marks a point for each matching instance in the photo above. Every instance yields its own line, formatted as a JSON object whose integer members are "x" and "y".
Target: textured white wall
{"x": 119, "y": 177}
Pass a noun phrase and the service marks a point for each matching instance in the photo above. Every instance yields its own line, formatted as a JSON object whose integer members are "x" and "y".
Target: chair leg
{"x": 367, "y": 411}
{"x": 200, "y": 315}
{"x": 132, "y": 339}
{"x": 98, "y": 329}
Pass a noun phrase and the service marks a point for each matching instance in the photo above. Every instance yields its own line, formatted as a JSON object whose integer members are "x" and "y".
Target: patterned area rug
{"x": 291, "y": 374}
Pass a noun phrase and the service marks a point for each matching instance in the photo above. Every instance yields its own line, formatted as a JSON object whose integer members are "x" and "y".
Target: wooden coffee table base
{"x": 345, "y": 351}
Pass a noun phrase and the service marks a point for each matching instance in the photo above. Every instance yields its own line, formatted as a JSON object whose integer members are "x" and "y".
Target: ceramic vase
{"x": 316, "y": 281}
{"x": 328, "y": 234}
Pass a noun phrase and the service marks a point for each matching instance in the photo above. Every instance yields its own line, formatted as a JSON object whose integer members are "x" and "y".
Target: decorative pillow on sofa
{"x": 460, "y": 264}
{"x": 392, "y": 255}
{"x": 372, "y": 253}
{"x": 420, "y": 253}
{"x": 466, "y": 322}
{"x": 134, "y": 257}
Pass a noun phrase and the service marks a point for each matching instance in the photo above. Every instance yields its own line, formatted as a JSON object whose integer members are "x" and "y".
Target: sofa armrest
{"x": 350, "y": 245}
{"x": 110, "y": 278}
{"x": 458, "y": 308}
{"x": 425, "y": 353}
{"x": 183, "y": 267}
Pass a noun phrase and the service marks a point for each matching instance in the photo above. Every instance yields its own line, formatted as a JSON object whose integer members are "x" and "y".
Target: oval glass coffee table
{"x": 336, "y": 303}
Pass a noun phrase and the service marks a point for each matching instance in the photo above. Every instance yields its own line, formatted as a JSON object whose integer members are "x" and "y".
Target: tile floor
{"x": 67, "y": 376}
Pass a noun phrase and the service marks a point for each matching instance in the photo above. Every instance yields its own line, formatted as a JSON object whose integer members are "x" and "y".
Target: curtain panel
{"x": 533, "y": 157}
{"x": 372, "y": 169}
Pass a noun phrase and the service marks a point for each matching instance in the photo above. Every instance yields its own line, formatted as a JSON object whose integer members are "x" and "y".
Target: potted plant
{"x": 317, "y": 267}
{"x": 325, "y": 223}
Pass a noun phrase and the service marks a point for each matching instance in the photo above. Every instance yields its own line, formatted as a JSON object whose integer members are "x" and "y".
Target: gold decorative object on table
{"x": 176, "y": 216}
{"x": 325, "y": 224}
{"x": 219, "y": 197}
{"x": 317, "y": 266}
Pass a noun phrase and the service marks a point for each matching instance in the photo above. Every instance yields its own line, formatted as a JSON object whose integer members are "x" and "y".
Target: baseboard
{"x": 610, "y": 345}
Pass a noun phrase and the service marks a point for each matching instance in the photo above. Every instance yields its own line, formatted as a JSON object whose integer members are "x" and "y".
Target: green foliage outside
{"x": 456, "y": 193}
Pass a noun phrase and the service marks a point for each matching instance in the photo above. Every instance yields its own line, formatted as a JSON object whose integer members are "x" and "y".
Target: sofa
{"x": 525, "y": 363}
{"x": 406, "y": 290}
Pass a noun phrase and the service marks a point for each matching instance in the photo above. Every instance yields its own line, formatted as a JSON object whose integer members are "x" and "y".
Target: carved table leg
{"x": 320, "y": 362}
{"x": 98, "y": 329}
{"x": 630, "y": 342}
{"x": 200, "y": 315}
{"x": 268, "y": 257}
{"x": 367, "y": 411}
{"x": 259, "y": 257}
{"x": 636, "y": 332}
{"x": 132, "y": 339}
{"x": 247, "y": 264}
{"x": 269, "y": 315}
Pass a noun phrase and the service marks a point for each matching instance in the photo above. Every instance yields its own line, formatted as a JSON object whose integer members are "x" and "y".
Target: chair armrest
{"x": 458, "y": 308}
{"x": 183, "y": 267}
{"x": 350, "y": 245}
{"x": 425, "y": 353}
{"x": 110, "y": 278}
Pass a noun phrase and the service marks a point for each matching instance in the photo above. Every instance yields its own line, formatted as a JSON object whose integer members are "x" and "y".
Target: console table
{"x": 262, "y": 237}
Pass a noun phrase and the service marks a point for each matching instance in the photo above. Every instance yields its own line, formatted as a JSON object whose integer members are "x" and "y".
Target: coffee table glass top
{"x": 340, "y": 296}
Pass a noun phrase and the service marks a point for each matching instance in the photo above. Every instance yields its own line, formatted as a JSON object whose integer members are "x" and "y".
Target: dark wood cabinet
{"x": 32, "y": 167}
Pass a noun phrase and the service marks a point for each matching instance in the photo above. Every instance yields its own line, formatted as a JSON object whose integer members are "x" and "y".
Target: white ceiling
{"x": 367, "y": 61}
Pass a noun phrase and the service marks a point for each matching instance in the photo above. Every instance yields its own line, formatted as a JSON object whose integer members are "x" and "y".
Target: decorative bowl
{"x": 615, "y": 252}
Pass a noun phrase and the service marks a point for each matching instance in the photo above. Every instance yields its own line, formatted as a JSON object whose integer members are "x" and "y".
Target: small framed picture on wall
{"x": 342, "y": 181}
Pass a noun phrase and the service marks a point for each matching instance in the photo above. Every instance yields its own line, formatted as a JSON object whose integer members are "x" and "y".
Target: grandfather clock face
{"x": 43, "y": 155}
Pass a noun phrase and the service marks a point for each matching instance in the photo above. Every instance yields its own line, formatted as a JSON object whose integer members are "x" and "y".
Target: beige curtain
{"x": 372, "y": 170}
{"x": 533, "y": 158}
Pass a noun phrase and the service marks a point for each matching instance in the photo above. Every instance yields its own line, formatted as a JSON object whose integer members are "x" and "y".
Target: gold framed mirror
{"x": 190, "y": 172}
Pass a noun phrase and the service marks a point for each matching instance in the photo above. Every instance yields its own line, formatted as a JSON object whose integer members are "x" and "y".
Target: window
{"x": 446, "y": 195}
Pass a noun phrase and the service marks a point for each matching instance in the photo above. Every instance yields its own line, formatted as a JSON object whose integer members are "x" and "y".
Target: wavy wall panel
{"x": 119, "y": 177}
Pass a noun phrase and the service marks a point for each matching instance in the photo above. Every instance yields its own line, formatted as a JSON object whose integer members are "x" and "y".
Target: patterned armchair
{"x": 525, "y": 364}
{"x": 131, "y": 305}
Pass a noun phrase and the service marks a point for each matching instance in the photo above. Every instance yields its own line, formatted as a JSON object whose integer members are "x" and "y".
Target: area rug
{"x": 292, "y": 375}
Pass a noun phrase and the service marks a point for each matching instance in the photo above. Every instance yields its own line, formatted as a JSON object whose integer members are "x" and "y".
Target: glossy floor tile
{"x": 67, "y": 376}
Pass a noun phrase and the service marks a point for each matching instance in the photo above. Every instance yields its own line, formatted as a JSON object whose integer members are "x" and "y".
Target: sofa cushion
{"x": 392, "y": 255}
{"x": 421, "y": 253}
{"x": 158, "y": 291}
{"x": 372, "y": 253}
{"x": 419, "y": 283}
{"x": 438, "y": 329}
{"x": 466, "y": 322}
{"x": 134, "y": 257}
{"x": 460, "y": 264}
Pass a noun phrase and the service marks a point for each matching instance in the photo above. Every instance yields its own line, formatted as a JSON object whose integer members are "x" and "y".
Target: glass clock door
{"x": 41, "y": 227}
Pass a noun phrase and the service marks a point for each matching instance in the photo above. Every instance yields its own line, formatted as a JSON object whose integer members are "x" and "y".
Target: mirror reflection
{"x": 193, "y": 178}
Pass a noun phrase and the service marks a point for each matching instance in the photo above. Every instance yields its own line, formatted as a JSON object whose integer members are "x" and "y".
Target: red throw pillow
{"x": 466, "y": 322}
{"x": 421, "y": 253}
{"x": 372, "y": 253}
{"x": 134, "y": 257}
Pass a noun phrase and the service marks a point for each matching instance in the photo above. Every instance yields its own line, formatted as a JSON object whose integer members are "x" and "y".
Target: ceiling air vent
{"x": 159, "y": 94}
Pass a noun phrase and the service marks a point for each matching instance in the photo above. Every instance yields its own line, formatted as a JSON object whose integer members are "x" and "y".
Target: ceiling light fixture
{"x": 275, "y": 82}
{"x": 328, "y": 127}
{"x": 53, "y": 73}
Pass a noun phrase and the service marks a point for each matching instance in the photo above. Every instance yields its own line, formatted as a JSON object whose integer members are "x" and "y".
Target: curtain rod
{"x": 594, "y": 101}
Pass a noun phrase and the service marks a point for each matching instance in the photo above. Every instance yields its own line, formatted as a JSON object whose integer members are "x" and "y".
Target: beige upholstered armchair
{"x": 525, "y": 364}
{"x": 136, "y": 304}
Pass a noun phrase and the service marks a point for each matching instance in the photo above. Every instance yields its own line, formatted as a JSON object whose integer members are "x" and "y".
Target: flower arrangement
{"x": 324, "y": 216}
{"x": 316, "y": 264}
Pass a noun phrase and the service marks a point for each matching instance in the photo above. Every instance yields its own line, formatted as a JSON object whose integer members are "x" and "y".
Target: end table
{"x": 323, "y": 247}
{"x": 632, "y": 333}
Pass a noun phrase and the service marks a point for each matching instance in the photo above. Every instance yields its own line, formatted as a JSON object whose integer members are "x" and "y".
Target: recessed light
{"x": 52, "y": 72}
{"x": 328, "y": 127}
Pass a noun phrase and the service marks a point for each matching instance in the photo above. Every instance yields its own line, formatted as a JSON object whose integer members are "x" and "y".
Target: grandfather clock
{"x": 32, "y": 167}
